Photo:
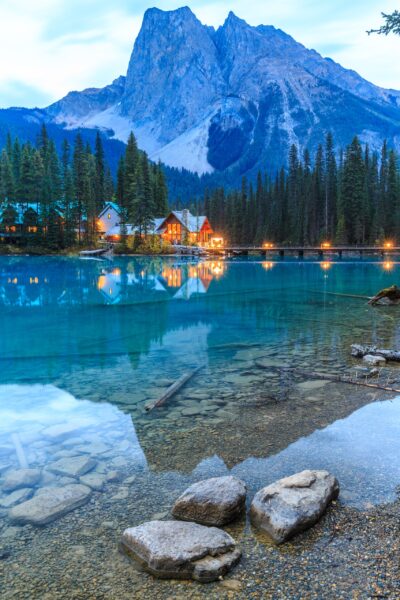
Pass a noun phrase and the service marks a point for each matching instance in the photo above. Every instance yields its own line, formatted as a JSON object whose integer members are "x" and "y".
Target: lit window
{"x": 109, "y": 216}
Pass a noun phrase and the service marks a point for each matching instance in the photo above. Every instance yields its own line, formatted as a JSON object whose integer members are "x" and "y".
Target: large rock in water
{"x": 180, "y": 550}
{"x": 50, "y": 504}
{"x": 16, "y": 497}
{"x": 215, "y": 501}
{"x": 74, "y": 466}
{"x": 21, "y": 478}
{"x": 293, "y": 504}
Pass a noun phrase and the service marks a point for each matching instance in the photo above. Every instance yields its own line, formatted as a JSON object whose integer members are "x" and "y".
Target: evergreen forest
{"x": 346, "y": 196}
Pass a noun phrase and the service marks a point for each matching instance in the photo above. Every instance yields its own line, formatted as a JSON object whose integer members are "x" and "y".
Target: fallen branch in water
{"x": 23, "y": 462}
{"x": 173, "y": 389}
{"x": 346, "y": 295}
{"x": 359, "y": 351}
{"x": 339, "y": 379}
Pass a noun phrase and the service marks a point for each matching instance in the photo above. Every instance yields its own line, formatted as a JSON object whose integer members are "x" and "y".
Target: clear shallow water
{"x": 86, "y": 344}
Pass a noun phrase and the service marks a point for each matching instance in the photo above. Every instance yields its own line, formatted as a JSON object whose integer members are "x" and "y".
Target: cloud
{"x": 50, "y": 47}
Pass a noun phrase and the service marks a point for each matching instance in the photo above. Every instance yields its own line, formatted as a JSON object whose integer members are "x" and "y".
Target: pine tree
{"x": 7, "y": 182}
{"x": 100, "y": 175}
{"x": 353, "y": 193}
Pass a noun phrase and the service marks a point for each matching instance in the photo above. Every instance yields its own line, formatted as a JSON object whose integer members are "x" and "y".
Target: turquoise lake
{"x": 87, "y": 345}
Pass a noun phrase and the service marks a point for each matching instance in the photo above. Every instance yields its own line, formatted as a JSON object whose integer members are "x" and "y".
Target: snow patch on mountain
{"x": 188, "y": 151}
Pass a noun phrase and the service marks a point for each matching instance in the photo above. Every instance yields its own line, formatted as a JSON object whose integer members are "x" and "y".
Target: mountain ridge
{"x": 229, "y": 99}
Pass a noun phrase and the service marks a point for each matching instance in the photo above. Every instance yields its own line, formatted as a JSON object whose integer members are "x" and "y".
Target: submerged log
{"x": 359, "y": 351}
{"x": 390, "y": 295}
{"x": 339, "y": 379}
{"x": 173, "y": 389}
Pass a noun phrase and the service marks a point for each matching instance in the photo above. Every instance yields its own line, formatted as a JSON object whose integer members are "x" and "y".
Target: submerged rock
{"x": 215, "y": 501}
{"x": 16, "y": 497}
{"x": 63, "y": 431}
{"x": 374, "y": 360}
{"x": 50, "y": 505}
{"x": 293, "y": 504}
{"x": 74, "y": 466}
{"x": 180, "y": 550}
{"x": 94, "y": 481}
{"x": 21, "y": 478}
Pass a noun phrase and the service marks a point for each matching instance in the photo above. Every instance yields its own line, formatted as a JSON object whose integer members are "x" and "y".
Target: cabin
{"x": 178, "y": 227}
{"x": 17, "y": 220}
{"x": 108, "y": 219}
{"x": 181, "y": 227}
{"x": 23, "y": 220}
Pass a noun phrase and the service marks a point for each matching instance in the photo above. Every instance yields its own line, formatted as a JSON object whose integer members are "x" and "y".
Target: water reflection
{"x": 45, "y": 428}
{"x": 180, "y": 281}
{"x": 361, "y": 450}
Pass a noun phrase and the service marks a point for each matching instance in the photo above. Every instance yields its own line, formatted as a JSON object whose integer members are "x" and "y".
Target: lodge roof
{"x": 131, "y": 229}
{"x": 109, "y": 205}
{"x": 191, "y": 222}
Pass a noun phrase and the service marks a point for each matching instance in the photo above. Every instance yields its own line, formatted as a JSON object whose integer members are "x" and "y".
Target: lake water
{"x": 86, "y": 345}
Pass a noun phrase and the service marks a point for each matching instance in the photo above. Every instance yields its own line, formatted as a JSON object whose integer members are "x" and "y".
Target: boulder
{"x": 214, "y": 501}
{"x": 180, "y": 550}
{"x": 50, "y": 505}
{"x": 16, "y": 497}
{"x": 293, "y": 504}
{"x": 21, "y": 478}
{"x": 73, "y": 466}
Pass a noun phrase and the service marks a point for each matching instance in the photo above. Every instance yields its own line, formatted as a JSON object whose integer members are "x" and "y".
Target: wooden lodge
{"x": 181, "y": 227}
{"x": 21, "y": 220}
{"x": 178, "y": 227}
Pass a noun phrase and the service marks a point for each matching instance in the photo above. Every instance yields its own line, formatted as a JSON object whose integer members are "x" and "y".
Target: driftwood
{"x": 338, "y": 379}
{"x": 347, "y": 295}
{"x": 23, "y": 462}
{"x": 391, "y": 294}
{"x": 173, "y": 389}
{"x": 359, "y": 351}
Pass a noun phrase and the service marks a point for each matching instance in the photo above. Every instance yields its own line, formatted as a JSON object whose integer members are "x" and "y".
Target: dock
{"x": 97, "y": 252}
{"x": 302, "y": 251}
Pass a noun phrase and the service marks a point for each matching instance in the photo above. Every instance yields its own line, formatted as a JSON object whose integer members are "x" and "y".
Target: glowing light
{"x": 116, "y": 271}
{"x": 217, "y": 242}
{"x": 268, "y": 245}
{"x": 388, "y": 245}
{"x": 217, "y": 268}
{"x": 325, "y": 266}
{"x": 173, "y": 276}
{"x": 268, "y": 265}
{"x": 101, "y": 282}
{"x": 388, "y": 265}
{"x": 326, "y": 245}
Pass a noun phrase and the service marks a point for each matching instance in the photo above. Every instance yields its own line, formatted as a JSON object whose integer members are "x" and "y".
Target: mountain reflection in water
{"x": 360, "y": 448}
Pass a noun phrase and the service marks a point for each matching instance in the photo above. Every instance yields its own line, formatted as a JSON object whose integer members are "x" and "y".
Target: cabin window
{"x": 109, "y": 216}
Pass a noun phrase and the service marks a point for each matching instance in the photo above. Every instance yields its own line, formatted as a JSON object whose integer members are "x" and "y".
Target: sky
{"x": 51, "y": 47}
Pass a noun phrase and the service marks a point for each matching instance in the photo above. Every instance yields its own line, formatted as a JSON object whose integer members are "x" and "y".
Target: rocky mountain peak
{"x": 233, "y": 98}
{"x": 156, "y": 16}
{"x": 173, "y": 71}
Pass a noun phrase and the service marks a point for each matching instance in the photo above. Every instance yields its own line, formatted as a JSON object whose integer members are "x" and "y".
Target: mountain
{"x": 230, "y": 100}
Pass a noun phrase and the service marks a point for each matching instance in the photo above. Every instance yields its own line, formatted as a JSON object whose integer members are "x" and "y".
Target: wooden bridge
{"x": 301, "y": 251}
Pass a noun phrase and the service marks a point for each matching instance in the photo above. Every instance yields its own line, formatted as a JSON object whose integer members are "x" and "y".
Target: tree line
{"x": 62, "y": 195}
{"x": 349, "y": 197}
